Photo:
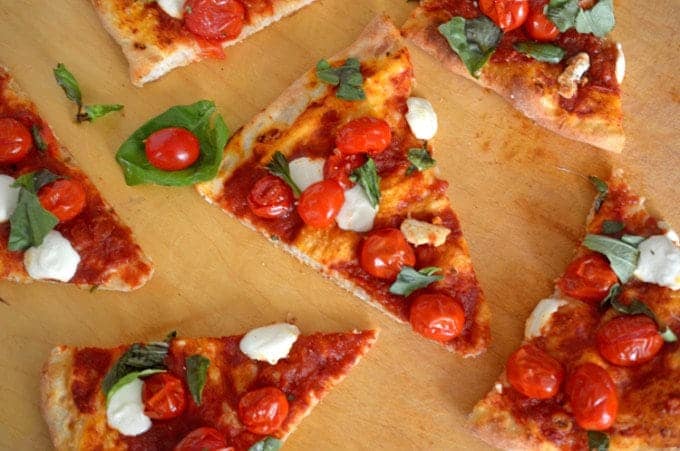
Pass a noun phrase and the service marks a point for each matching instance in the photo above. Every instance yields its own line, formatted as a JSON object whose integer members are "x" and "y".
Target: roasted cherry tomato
{"x": 164, "y": 396}
{"x": 64, "y": 198}
{"x": 320, "y": 203}
{"x": 384, "y": 252}
{"x": 538, "y": 26}
{"x": 534, "y": 373}
{"x": 15, "y": 140}
{"x": 437, "y": 317}
{"x": 215, "y": 19}
{"x": 507, "y": 14}
{"x": 338, "y": 167}
{"x": 172, "y": 148}
{"x": 629, "y": 340}
{"x": 593, "y": 397}
{"x": 270, "y": 197}
{"x": 364, "y": 135}
{"x": 264, "y": 410}
{"x": 204, "y": 439}
{"x": 588, "y": 278}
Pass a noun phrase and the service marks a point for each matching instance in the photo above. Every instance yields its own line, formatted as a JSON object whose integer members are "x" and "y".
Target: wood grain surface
{"x": 520, "y": 191}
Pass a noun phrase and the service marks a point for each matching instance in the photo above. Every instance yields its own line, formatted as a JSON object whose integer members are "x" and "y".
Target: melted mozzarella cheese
{"x": 125, "y": 410}
{"x": 54, "y": 259}
{"x": 421, "y": 118}
{"x": 8, "y": 197}
{"x": 306, "y": 171}
{"x": 541, "y": 316}
{"x": 659, "y": 261}
{"x": 269, "y": 343}
{"x": 357, "y": 213}
{"x": 620, "y": 67}
{"x": 173, "y": 8}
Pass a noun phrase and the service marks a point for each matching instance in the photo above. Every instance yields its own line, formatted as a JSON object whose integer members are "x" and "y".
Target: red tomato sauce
{"x": 89, "y": 368}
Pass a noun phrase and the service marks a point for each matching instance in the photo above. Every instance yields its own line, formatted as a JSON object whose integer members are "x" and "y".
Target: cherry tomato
{"x": 364, "y": 135}
{"x": 215, "y": 19}
{"x": 64, "y": 198}
{"x": 507, "y": 14}
{"x": 264, "y": 410}
{"x": 204, "y": 439}
{"x": 164, "y": 396}
{"x": 588, "y": 278}
{"x": 172, "y": 148}
{"x": 534, "y": 373}
{"x": 270, "y": 197}
{"x": 384, "y": 252}
{"x": 629, "y": 340}
{"x": 437, "y": 317}
{"x": 338, "y": 167}
{"x": 538, "y": 26}
{"x": 320, "y": 203}
{"x": 593, "y": 398}
{"x": 15, "y": 140}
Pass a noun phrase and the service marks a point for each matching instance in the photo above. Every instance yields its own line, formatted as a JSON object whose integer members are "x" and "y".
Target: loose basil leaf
{"x": 279, "y": 167}
{"x": 602, "y": 191}
{"x": 367, "y": 176}
{"x": 613, "y": 294}
{"x": 598, "y": 441}
{"x": 38, "y": 138}
{"x": 68, "y": 83}
{"x": 347, "y": 78}
{"x": 598, "y": 20}
{"x": 473, "y": 40}
{"x": 92, "y": 112}
{"x": 199, "y": 118}
{"x": 633, "y": 240}
{"x": 123, "y": 381}
{"x": 267, "y": 444}
{"x": 138, "y": 357}
{"x": 410, "y": 280}
{"x": 622, "y": 256}
{"x": 548, "y": 53}
{"x": 197, "y": 371}
{"x": 420, "y": 160}
{"x": 562, "y": 13}
{"x": 612, "y": 227}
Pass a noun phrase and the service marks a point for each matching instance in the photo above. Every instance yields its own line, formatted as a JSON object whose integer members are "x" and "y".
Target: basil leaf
{"x": 33, "y": 181}
{"x": 38, "y": 139}
{"x": 613, "y": 294}
{"x": 68, "y": 83}
{"x": 622, "y": 256}
{"x": 668, "y": 335}
{"x": 138, "y": 357}
{"x": 197, "y": 371}
{"x": 598, "y": 441}
{"x": 170, "y": 336}
{"x": 602, "y": 191}
{"x": 267, "y": 444}
{"x": 598, "y": 20}
{"x": 92, "y": 112}
{"x": 199, "y": 118}
{"x": 612, "y": 227}
{"x": 279, "y": 167}
{"x": 548, "y": 53}
{"x": 367, "y": 176}
{"x": 473, "y": 40}
{"x": 347, "y": 78}
{"x": 562, "y": 13}
{"x": 410, "y": 280}
{"x": 420, "y": 160}
{"x": 30, "y": 222}
{"x": 633, "y": 240}
{"x": 123, "y": 381}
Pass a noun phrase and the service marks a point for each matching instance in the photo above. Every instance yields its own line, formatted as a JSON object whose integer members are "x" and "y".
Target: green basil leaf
{"x": 602, "y": 191}
{"x": 367, "y": 176}
{"x": 327, "y": 73}
{"x": 613, "y": 294}
{"x": 633, "y": 240}
{"x": 197, "y": 371}
{"x": 123, "y": 381}
{"x": 68, "y": 83}
{"x": 598, "y": 441}
{"x": 267, "y": 444}
{"x": 668, "y": 335}
{"x": 622, "y": 256}
{"x": 33, "y": 181}
{"x": 347, "y": 78}
{"x": 410, "y": 280}
{"x": 612, "y": 227}
{"x": 562, "y": 13}
{"x": 483, "y": 32}
{"x": 30, "y": 222}
{"x": 92, "y": 112}
{"x": 138, "y": 357}
{"x": 278, "y": 166}
{"x": 38, "y": 139}
{"x": 548, "y": 53}
{"x": 170, "y": 336}
{"x": 598, "y": 20}
{"x": 420, "y": 160}
{"x": 636, "y": 307}
{"x": 199, "y": 118}
{"x": 473, "y": 40}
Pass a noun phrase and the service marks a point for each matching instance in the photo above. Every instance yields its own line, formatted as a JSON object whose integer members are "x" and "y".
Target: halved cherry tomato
{"x": 437, "y": 317}
{"x": 629, "y": 340}
{"x": 270, "y": 197}
{"x": 15, "y": 140}
{"x": 588, "y": 278}
{"x": 172, "y": 148}
{"x": 593, "y": 397}
{"x": 264, "y": 410}
{"x": 64, "y": 198}
{"x": 534, "y": 373}
{"x": 164, "y": 396}
{"x": 320, "y": 203}
{"x": 364, "y": 135}
{"x": 215, "y": 19}
{"x": 507, "y": 14}
{"x": 384, "y": 252}
{"x": 538, "y": 26}
{"x": 204, "y": 439}
{"x": 338, "y": 167}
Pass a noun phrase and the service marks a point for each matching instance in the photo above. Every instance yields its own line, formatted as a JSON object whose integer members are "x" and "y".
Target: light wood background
{"x": 520, "y": 192}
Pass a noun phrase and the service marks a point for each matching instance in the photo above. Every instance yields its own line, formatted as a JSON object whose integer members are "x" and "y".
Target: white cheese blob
{"x": 357, "y": 213}
{"x": 125, "y": 410}
{"x": 620, "y": 67}
{"x": 54, "y": 259}
{"x": 659, "y": 262}
{"x": 306, "y": 171}
{"x": 269, "y": 343}
{"x": 421, "y": 118}
{"x": 541, "y": 316}
{"x": 8, "y": 197}
{"x": 173, "y": 8}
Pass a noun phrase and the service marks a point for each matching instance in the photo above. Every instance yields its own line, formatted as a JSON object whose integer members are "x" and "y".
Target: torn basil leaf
{"x": 267, "y": 444}
{"x": 410, "y": 280}
{"x": 137, "y": 358}
{"x": 612, "y": 227}
{"x": 367, "y": 176}
{"x": 474, "y": 40}
{"x": 123, "y": 381}
{"x": 598, "y": 441}
{"x": 602, "y": 191}
{"x": 420, "y": 160}
{"x": 598, "y": 20}
{"x": 562, "y": 13}
{"x": 92, "y": 112}
{"x": 68, "y": 83}
{"x": 547, "y": 53}
{"x": 347, "y": 78}
{"x": 197, "y": 372}
{"x": 278, "y": 166}
{"x": 38, "y": 139}
{"x": 622, "y": 256}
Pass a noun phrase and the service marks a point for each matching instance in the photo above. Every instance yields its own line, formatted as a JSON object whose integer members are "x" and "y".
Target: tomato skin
{"x": 15, "y": 140}
{"x": 534, "y": 373}
{"x": 588, "y": 278}
{"x": 538, "y": 26}
{"x": 507, "y": 14}
{"x": 204, "y": 439}
{"x": 338, "y": 167}
{"x": 437, "y": 317}
{"x": 384, "y": 252}
{"x": 364, "y": 135}
{"x": 270, "y": 197}
{"x": 264, "y": 410}
{"x": 629, "y": 340}
{"x": 64, "y": 198}
{"x": 172, "y": 148}
{"x": 593, "y": 397}
{"x": 164, "y": 396}
{"x": 215, "y": 19}
{"x": 320, "y": 203}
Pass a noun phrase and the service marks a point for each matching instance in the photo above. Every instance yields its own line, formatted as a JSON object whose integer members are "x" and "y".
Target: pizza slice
{"x": 159, "y": 35}
{"x": 551, "y": 60}
{"x": 339, "y": 172}
{"x": 244, "y": 392}
{"x": 599, "y": 363}
{"x": 54, "y": 223}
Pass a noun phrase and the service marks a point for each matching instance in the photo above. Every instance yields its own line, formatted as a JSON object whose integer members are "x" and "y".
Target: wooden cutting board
{"x": 520, "y": 191}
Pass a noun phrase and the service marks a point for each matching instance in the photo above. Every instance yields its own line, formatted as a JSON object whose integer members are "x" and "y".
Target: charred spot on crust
{"x": 140, "y": 46}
